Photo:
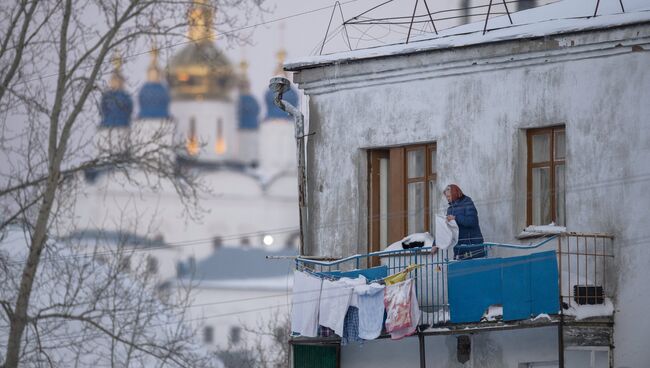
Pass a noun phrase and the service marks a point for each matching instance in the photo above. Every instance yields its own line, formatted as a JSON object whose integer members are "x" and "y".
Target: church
{"x": 201, "y": 103}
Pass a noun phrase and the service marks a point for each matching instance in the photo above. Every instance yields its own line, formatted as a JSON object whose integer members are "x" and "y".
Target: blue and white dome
{"x": 154, "y": 101}
{"x": 116, "y": 109}
{"x": 248, "y": 112}
{"x": 116, "y": 105}
{"x": 154, "y": 96}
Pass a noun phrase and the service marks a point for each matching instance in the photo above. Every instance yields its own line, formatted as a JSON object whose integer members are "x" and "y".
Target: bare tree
{"x": 54, "y": 55}
{"x": 265, "y": 345}
{"x": 100, "y": 305}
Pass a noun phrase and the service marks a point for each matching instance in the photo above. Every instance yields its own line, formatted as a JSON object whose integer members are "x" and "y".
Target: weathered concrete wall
{"x": 504, "y": 349}
{"x": 476, "y": 103}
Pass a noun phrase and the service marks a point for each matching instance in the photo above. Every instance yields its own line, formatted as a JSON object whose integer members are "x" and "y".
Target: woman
{"x": 461, "y": 208}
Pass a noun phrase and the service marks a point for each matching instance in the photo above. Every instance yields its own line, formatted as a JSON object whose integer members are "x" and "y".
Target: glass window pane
{"x": 433, "y": 206}
{"x": 434, "y": 166}
{"x": 560, "y": 145}
{"x": 415, "y": 163}
{"x": 601, "y": 359}
{"x": 560, "y": 209}
{"x": 415, "y": 207}
{"x": 383, "y": 203}
{"x": 541, "y": 196}
{"x": 577, "y": 358}
{"x": 542, "y": 147}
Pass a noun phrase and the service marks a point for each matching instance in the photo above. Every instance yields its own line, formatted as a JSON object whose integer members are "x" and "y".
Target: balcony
{"x": 564, "y": 279}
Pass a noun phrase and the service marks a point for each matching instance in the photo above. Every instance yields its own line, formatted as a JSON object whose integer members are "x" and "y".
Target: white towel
{"x": 371, "y": 310}
{"x": 304, "y": 311}
{"x": 446, "y": 232}
{"x": 334, "y": 302}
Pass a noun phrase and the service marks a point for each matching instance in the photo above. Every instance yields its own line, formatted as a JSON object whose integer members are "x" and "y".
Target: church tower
{"x": 116, "y": 107}
{"x": 248, "y": 111}
{"x": 154, "y": 125}
{"x": 202, "y": 83}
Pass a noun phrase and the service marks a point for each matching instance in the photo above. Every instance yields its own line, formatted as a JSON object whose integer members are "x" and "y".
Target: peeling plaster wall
{"x": 476, "y": 103}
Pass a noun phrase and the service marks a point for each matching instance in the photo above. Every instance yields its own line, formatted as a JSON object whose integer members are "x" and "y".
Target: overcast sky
{"x": 302, "y": 35}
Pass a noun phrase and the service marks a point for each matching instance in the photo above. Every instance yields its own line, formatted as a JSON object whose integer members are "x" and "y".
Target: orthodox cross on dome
{"x": 244, "y": 83}
{"x": 153, "y": 71}
{"x": 282, "y": 54}
{"x": 201, "y": 22}
{"x": 117, "y": 80}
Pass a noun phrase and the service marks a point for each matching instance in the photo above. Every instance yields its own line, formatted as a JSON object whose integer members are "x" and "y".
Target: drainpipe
{"x": 280, "y": 85}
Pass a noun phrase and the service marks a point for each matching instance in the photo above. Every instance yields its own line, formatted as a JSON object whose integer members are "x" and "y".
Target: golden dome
{"x": 200, "y": 70}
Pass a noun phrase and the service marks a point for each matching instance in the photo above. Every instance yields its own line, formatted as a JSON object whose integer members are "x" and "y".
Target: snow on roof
{"x": 556, "y": 18}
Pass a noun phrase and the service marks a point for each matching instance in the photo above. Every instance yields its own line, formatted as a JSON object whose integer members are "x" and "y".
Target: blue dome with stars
{"x": 248, "y": 111}
{"x": 154, "y": 101}
{"x": 116, "y": 109}
{"x": 274, "y": 112}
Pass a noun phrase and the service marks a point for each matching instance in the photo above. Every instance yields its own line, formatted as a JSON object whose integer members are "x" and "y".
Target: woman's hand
{"x": 451, "y": 218}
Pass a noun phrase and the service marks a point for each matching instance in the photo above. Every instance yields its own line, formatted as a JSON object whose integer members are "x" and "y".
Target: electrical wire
{"x": 394, "y": 214}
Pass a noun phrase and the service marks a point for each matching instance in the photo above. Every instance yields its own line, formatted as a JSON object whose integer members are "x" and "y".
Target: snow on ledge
{"x": 580, "y": 311}
{"x": 537, "y": 230}
{"x": 493, "y": 313}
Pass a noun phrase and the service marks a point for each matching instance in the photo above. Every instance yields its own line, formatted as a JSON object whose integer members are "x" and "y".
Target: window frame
{"x": 398, "y": 181}
{"x": 428, "y": 175}
{"x": 551, "y": 164}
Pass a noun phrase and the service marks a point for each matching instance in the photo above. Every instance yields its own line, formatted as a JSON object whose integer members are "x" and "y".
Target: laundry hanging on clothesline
{"x": 353, "y": 308}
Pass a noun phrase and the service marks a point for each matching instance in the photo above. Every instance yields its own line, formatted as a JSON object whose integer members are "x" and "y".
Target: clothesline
{"x": 353, "y": 308}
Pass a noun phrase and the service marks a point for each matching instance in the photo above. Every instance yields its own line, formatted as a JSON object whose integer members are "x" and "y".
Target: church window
{"x": 220, "y": 145}
{"x": 192, "y": 144}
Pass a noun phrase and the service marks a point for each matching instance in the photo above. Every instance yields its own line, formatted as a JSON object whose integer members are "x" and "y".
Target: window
{"x": 152, "y": 265}
{"x": 587, "y": 356}
{"x": 546, "y": 164}
{"x": 220, "y": 143}
{"x": 192, "y": 144}
{"x": 402, "y": 193}
{"x": 208, "y": 334}
{"x": 235, "y": 335}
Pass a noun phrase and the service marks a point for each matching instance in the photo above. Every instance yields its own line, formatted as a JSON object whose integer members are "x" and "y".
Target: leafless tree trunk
{"x": 53, "y": 57}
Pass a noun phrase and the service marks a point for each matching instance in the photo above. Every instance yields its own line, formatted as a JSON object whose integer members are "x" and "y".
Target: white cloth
{"x": 361, "y": 280}
{"x": 335, "y": 299}
{"x": 446, "y": 232}
{"x": 305, "y": 301}
{"x": 371, "y": 310}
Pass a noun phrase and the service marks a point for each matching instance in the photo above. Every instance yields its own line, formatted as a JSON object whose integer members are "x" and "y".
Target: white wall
{"x": 235, "y": 207}
{"x": 245, "y": 307}
{"x": 476, "y": 103}
{"x": 206, "y": 114}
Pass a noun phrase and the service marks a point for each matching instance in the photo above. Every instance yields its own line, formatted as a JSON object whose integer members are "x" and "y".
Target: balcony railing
{"x": 583, "y": 263}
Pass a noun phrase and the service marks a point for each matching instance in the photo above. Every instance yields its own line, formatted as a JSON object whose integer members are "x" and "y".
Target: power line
{"x": 173, "y": 45}
{"x": 394, "y": 214}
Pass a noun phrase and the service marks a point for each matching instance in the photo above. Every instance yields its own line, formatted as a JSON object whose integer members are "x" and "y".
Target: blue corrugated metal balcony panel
{"x": 524, "y": 286}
